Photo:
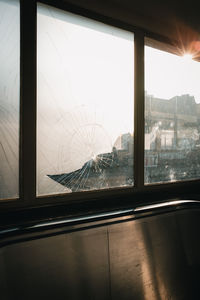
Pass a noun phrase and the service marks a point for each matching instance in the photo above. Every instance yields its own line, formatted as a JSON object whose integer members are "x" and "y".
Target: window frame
{"x": 28, "y": 118}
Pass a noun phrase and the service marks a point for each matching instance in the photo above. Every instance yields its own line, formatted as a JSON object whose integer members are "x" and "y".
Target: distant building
{"x": 171, "y": 124}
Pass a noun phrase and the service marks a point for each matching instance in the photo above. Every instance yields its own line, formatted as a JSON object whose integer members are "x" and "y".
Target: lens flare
{"x": 187, "y": 56}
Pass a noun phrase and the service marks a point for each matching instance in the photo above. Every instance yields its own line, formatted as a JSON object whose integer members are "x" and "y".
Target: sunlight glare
{"x": 187, "y": 57}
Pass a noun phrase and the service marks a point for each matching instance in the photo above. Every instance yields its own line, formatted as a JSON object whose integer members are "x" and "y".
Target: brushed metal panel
{"x": 68, "y": 266}
{"x": 4, "y": 290}
{"x": 153, "y": 257}
{"x": 147, "y": 261}
{"x": 189, "y": 227}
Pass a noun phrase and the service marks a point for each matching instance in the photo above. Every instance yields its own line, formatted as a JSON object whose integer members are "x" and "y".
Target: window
{"x": 9, "y": 99}
{"x": 172, "y": 115}
{"x": 85, "y": 103}
{"x": 84, "y": 116}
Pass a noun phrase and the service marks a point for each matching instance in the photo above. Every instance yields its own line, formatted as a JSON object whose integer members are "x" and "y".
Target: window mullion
{"x": 139, "y": 111}
{"x": 28, "y": 101}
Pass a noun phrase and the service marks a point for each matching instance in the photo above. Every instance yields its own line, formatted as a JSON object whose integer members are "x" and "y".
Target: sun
{"x": 187, "y": 56}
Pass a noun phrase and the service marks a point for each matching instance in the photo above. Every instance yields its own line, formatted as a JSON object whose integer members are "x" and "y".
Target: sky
{"x": 168, "y": 75}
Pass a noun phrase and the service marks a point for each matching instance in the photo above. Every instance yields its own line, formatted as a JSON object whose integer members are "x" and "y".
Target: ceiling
{"x": 177, "y": 20}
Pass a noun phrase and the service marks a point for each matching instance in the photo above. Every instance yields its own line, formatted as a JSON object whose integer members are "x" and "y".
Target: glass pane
{"x": 172, "y": 117}
{"x": 85, "y": 104}
{"x": 9, "y": 98}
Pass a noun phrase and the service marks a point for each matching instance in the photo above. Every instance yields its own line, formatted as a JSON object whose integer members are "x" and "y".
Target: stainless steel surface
{"x": 72, "y": 266}
{"x": 147, "y": 261}
{"x": 153, "y": 257}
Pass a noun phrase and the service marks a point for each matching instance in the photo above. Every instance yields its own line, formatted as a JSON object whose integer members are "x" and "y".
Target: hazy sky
{"x": 168, "y": 75}
{"x": 82, "y": 62}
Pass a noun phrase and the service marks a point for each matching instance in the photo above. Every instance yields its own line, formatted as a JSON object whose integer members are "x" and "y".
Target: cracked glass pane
{"x": 172, "y": 117}
{"x": 9, "y": 98}
{"x": 85, "y": 104}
